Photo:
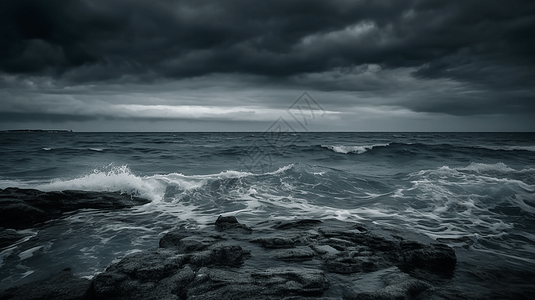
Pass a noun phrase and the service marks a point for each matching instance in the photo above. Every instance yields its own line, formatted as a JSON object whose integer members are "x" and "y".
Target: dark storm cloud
{"x": 179, "y": 38}
{"x": 486, "y": 46}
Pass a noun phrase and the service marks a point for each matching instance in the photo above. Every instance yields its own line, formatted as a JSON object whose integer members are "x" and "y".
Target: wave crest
{"x": 353, "y": 149}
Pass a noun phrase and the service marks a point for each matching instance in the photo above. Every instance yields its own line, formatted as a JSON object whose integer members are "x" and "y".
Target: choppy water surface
{"x": 473, "y": 191}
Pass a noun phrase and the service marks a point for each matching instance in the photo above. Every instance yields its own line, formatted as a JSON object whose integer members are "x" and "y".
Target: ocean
{"x": 472, "y": 191}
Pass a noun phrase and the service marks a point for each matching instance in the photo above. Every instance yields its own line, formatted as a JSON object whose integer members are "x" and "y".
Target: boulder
{"x": 274, "y": 242}
{"x": 8, "y": 237}
{"x": 294, "y": 254}
{"x": 293, "y": 260}
{"x": 272, "y": 283}
{"x": 391, "y": 284}
{"x": 63, "y": 286}
{"x": 437, "y": 257}
{"x": 230, "y": 222}
{"x": 24, "y": 208}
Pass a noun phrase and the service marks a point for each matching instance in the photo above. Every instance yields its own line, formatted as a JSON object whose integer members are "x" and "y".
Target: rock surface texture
{"x": 63, "y": 286}
{"x": 24, "y": 208}
{"x": 302, "y": 259}
{"x": 282, "y": 260}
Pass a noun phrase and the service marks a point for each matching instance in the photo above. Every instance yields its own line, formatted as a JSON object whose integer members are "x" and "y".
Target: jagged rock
{"x": 230, "y": 222}
{"x": 392, "y": 285}
{"x": 274, "y": 283}
{"x": 294, "y": 254}
{"x": 324, "y": 249}
{"x": 219, "y": 254}
{"x": 223, "y": 262}
{"x": 8, "y": 237}
{"x": 310, "y": 281}
{"x": 296, "y": 223}
{"x": 274, "y": 242}
{"x": 188, "y": 240}
{"x": 435, "y": 256}
{"x": 63, "y": 286}
{"x": 24, "y": 208}
{"x": 172, "y": 239}
{"x": 154, "y": 274}
{"x": 347, "y": 262}
{"x": 194, "y": 243}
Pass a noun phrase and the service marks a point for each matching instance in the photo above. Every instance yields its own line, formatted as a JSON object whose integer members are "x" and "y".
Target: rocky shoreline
{"x": 25, "y": 208}
{"x": 297, "y": 259}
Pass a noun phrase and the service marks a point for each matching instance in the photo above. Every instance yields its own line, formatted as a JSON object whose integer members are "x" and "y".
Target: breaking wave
{"x": 352, "y": 149}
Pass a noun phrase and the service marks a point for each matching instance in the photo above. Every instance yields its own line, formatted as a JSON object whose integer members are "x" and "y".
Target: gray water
{"x": 473, "y": 191}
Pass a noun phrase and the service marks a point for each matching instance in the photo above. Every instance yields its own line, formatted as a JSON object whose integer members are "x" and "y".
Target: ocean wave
{"x": 344, "y": 149}
{"x": 109, "y": 179}
{"x": 506, "y": 148}
{"x": 482, "y": 167}
{"x": 478, "y": 203}
{"x": 478, "y": 186}
{"x": 120, "y": 178}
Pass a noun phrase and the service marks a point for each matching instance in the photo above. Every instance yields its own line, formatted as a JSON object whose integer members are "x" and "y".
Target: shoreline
{"x": 294, "y": 259}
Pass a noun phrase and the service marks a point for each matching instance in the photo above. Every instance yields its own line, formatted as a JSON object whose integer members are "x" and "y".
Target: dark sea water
{"x": 473, "y": 191}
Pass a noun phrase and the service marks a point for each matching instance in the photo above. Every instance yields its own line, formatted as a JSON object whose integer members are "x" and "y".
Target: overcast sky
{"x": 165, "y": 65}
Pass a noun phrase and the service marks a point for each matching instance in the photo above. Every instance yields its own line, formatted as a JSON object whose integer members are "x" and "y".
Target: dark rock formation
{"x": 293, "y": 260}
{"x": 63, "y": 286}
{"x": 273, "y": 283}
{"x": 24, "y": 208}
{"x": 434, "y": 256}
{"x": 222, "y": 263}
{"x": 294, "y": 254}
{"x": 8, "y": 237}
{"x": 303, "y": 223}
{"x": 391, "y": 283}
{"x": 274, "y": 242}
{"x": 230, "y": 222}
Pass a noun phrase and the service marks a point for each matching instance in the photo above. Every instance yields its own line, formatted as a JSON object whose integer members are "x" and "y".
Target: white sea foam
{"x": 507, "y": 148}
{"x": 466, "y": 200}
{"x": 113, "y": 179}
{"x": 121, "y": 178}
{"x": 481, "y": 167}
{"x": 29, "y": 253}
{"x": 358, "y": 149}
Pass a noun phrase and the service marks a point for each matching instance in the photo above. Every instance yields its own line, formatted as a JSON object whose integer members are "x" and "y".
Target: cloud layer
{"x": 64, "y": 59}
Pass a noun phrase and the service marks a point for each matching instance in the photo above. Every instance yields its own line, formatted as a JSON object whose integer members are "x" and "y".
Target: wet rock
{"x": 296, "y": 224}
{"x": 161, "y": 273}
{"x": 194, "y": 243}
{"x": 24, "y": 208}
{"x": 63, "y": 286}
{"x": 294, "y": 254}
{"x": 324, "y": 249}
{"x": 8, "y": 237}
{"x": 435, "y": 256}
{"x": 172, "y": 239}
{"x": 275, "y": 283}
{"x": 352, "y": 262}
{"x": 308, "y": 281}
{"x": 152, "y": 265}
{"x": 223, "y": 262}
{"x": 274, "y": 242}
{"x": 230, "y": 222}
{"x": 154, "y": 274}
{"x": 219, "y": 254}
{"x": 392, "y": 284}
